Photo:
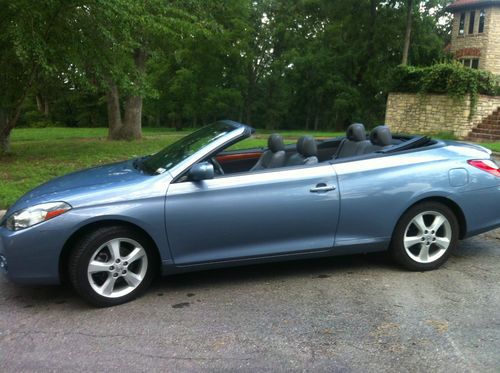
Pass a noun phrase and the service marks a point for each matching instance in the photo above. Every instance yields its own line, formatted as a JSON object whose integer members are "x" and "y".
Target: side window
{"x": 461, "y": 25}
{"x": 473, "y": 63}
{"x": 482, "y": 17}
{"x": 472, "y": 19}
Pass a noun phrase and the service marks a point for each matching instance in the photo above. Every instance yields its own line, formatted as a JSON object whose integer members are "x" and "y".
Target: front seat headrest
{"x": 356, "y": 132}
{"x": 275, "y": 143}
{"x": 306, "y": 146}
{"x": 381, "y": 136}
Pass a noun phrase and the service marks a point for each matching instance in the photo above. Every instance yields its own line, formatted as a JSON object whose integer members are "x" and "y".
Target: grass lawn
{"x": 42, "y": 154}
{"x": 495, "y": 146}
{"x": 39, "y": 155}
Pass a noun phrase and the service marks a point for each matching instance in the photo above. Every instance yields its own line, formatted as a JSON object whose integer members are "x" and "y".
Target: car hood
{"x": 87, "y": 181}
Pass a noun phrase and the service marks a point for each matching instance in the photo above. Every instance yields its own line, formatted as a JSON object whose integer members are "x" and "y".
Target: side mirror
{"x": 201, "y": 171}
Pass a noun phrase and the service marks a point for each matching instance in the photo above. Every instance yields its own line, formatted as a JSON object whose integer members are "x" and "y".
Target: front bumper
{"x": 4, "y": 266}
{"x": 30, "y": 256}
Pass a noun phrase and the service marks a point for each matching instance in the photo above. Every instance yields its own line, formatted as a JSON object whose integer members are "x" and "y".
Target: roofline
{"x": 453, "y": 7}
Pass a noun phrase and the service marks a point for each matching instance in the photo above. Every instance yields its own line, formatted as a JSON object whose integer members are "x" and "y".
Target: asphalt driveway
{"x": 356, "y": 313}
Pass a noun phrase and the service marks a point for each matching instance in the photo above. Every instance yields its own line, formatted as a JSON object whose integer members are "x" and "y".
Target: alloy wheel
{"x": 117, "y": 267}
{"x": 427, "y": 237}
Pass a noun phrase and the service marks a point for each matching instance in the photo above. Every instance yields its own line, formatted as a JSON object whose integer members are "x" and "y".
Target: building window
{"x": 461, "y": 27}
{"x": 472, "y": 19}
{"x": 482, "y": 16}
{"x": 472, "y": 63}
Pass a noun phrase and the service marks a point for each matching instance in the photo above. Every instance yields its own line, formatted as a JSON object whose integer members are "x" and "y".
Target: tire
{"x": 123, "y": 265}
{"x": 416, "y": 243}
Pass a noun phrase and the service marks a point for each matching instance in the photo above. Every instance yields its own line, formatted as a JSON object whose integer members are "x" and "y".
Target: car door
{"x": 275, "y": 212}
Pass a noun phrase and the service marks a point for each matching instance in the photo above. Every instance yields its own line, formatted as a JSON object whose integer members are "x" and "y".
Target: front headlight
{"x": 35, "y": 214}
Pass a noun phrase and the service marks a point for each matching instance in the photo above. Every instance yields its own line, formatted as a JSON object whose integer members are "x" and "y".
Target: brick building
{"x": 476, "y": 33}
{"x": 475, "y": 42}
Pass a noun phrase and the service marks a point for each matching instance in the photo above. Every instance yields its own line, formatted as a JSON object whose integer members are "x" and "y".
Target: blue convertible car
{"x": 197, "y": 204}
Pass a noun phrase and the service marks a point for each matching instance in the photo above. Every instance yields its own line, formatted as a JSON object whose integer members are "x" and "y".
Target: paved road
{"x": 357, "y": 313}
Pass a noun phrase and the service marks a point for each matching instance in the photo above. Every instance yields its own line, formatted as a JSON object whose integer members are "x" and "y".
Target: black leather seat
{"x": 380, "y": 137}
{"x": 355, "y": 143}
{"x": 307, "y": 152}
{"x": 275, "y": 156}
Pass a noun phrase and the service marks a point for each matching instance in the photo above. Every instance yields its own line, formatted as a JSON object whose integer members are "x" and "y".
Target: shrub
{"x": 452, "y": 79}
{"x": 34, "y": 119}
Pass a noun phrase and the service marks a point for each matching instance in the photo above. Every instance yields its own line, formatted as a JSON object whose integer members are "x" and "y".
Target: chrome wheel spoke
{"x": 114, "y": 249}
{"x": 420, "y": 223}
{"x": 442, "y": 242}
{"x": 413, "y": 240}
{"x": 437, "y": 223}
{"x": 136, "y": 254}
{"x": 132, "y": 279}
{"x": 96, "y": 267}
{"x": 108, "y": 286}
{"x": 423, "y": 255}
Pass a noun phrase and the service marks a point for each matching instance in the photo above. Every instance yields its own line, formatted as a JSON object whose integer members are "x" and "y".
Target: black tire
{"x": 84, "y": 251}
{"x": 400, "y": 253}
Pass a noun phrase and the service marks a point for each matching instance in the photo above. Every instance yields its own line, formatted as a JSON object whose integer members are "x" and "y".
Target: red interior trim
{"x": 237, "y": 157}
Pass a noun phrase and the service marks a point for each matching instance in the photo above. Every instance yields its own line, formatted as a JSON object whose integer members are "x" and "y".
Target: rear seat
{"x": 307, "y": 152}
{"x": 380, "y": 137}
{"x": 355, "y": 143}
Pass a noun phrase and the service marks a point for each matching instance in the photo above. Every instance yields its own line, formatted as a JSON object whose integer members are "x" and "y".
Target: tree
{"x": 315, "y": 64}
{"x": 31, "y": 45}
{"x": 406, "y": 47}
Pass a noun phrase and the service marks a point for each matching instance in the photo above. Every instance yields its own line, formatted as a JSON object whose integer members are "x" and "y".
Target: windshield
{"x": 170, "y": 156}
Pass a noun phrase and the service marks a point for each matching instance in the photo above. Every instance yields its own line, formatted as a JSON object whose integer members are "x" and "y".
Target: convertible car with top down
{"x": 200, "y": 204}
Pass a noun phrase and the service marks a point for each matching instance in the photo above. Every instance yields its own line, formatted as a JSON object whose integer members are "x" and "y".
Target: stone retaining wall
{"x": 419, "y": 113}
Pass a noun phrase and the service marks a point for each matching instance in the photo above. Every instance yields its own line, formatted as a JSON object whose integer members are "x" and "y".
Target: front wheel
{"x": 425, "y": 236}
{"x": 111, "y": 265}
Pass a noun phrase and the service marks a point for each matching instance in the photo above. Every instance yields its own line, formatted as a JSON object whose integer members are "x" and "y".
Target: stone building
{"x": 475, "y": 37}
{"x": 476, "y": 43}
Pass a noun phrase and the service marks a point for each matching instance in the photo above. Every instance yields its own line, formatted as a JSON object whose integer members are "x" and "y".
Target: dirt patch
{"x": 441, "y": 326}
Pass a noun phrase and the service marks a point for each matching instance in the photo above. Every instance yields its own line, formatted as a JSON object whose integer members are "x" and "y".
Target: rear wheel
{"x": 111, "y": 265}
{"x": 425, "y": 236}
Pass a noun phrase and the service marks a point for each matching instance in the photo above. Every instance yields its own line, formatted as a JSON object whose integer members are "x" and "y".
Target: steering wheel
{"x": 217, "y": 167}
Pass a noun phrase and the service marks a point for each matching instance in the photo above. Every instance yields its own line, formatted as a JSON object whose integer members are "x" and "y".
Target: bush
{"x": 34, "y": 119}
{"x": 447, "y": 78}
{"x": 452, "y": 79}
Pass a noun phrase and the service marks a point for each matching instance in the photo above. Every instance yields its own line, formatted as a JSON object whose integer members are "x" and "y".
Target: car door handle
{"x": 322, "y": 188}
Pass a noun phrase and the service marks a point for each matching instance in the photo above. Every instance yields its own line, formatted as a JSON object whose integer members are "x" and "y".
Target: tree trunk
{"x": 46, "y": 110}
{"x": 114, "y": 113}
{"x": 42, "y": 104}
{"x": 4, "y": 144}
{"x": 249, "y": 95}
{"x": 4, "y": 133}
{"x": 39, "y": 104}
{"x": 158, "y": 119}
{"x": 406, "y": 47}
{"x": 132, "y": 124}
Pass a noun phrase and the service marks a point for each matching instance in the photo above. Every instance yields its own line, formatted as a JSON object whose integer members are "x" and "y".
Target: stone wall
{"x": 413, "y": 113}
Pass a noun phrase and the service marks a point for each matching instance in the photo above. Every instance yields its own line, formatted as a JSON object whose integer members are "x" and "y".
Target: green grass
{"x": 60, "y": 133}
{"x": 39, "y": 155}
{"x": 495, "y": 146}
